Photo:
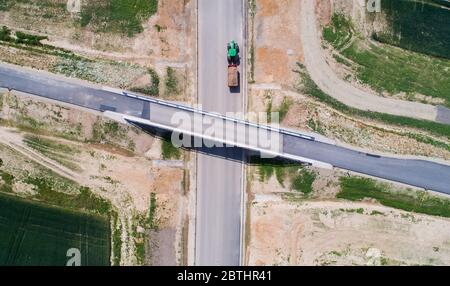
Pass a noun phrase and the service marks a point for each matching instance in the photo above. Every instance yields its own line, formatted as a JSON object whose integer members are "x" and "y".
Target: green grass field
{"x": 170, "y": 152}
{"x": 35, "y": 234}
{"x": 422, "y": 26}
{"x": 357, "y": 188}
{"x": 119, "y": 16}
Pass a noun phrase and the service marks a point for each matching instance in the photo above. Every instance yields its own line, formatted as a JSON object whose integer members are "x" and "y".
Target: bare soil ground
{"x": 333, "y": 233}
{"x": 287, "y": 228}
{"x": 118, "y": 167}
{"x": 277, "y": 48}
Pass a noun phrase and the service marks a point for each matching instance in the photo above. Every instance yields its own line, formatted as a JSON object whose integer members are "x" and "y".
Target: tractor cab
{"x": 233, "y": 52}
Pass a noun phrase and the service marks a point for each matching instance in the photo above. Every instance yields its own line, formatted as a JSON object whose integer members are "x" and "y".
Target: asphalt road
{"x": 57, "y": 88}
{"x": 218, "y": 178}
{"x": 420, "y": 173}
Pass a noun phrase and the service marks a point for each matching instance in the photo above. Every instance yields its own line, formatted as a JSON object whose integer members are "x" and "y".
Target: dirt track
{"x": 325, "y": 78}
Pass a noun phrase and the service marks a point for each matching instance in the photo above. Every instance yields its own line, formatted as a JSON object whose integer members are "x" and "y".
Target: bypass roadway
{"x": 219, "y": 178}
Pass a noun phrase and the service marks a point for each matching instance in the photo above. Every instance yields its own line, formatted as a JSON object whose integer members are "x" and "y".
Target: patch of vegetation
{"x": 54, "y": 189}
{"x": 5, "y": 5}
{"x": 159, "y": 28}
{"x": 151, "y": 222}
{"x": 265, "y": 172}
{"x": 251, "y": 59}
{"x": 336, "y": 253}
{"x": 63, "y": 215}
{"x": 65, "y": 62}
{"x": 171, "y": 82}
{"x": 170, "y": 152}
{"x": 21, "y": 37}
{"x": 284, "y": 108}
{"x": 252, "y": 9}
{"x": 147, "y": 222}
{"x": 6, "y": 181}
{"x": 26, "y": 123}
{"x": 300, "y": 179}
{"x": 50, "y": 144}
{"x": 34, "y": 234}
{"x": 342, "y": 60}
{"x": 117, "y": 74}
{"x": 316, "y": 126}
{"x": 269, "y": 111}
{"x": 422, "y": 26}
{"x": 61, "y": 153}
{"x": 154, "y": 88}
{"x": 116, "y": 239}
{"x": 28, "y": 39}
{"x": 140, "y": 251}
{"x": 358, "y": 210}
{"x": 389, "y": 69}
{"x": 107, "y": 131}
{"x": 357, "y": 189}
{"x": 5, "y": 34}
{"x": 375, "y": 212}
{"x": 309, "y": 87}
{"x": 340, "y": 31}
{"x": 267, "y": 167}
{"x": 118, "y": 16}
{"x": 50, "y": 190}
{"x": 303, "y": 181}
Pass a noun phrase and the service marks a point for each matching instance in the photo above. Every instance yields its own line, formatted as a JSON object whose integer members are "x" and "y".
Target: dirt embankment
{"x": 117, "y": 162}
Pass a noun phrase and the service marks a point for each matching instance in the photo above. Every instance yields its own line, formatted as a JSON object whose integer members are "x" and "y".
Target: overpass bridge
{"x": 168, "y": 115}
{"x": 289, "y": 144}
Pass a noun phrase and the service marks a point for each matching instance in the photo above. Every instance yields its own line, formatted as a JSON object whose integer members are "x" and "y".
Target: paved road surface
{"x": 218, "y": 179}
{"x": 419, "y": 173}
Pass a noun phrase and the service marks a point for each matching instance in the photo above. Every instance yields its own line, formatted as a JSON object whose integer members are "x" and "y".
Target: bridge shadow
{"x": 235, "y": 154}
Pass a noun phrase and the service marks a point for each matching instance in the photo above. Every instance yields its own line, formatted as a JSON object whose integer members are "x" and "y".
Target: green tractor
{"x": 233, "y": 53}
